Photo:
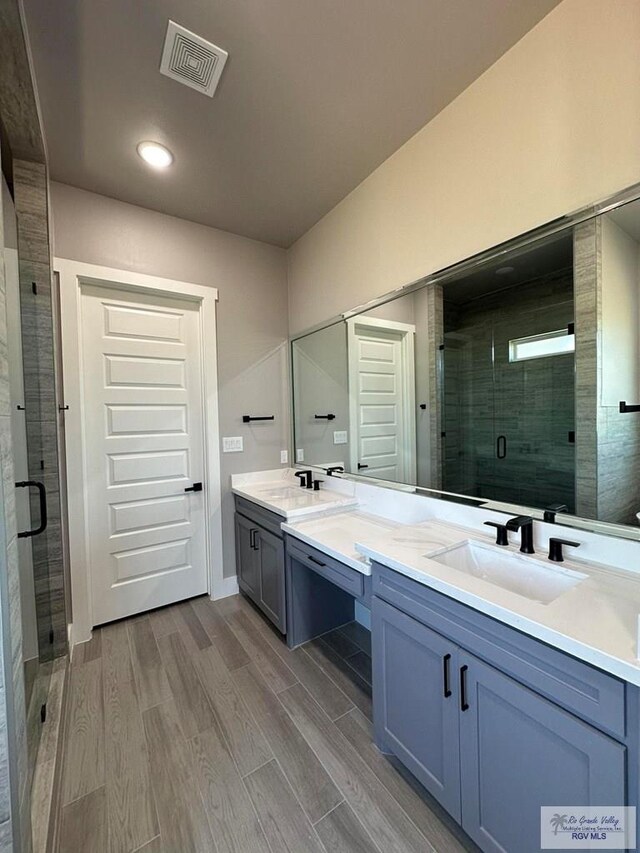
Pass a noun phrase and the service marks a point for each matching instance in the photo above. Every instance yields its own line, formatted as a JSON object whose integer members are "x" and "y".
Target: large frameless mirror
{"x": 512, "y": 380}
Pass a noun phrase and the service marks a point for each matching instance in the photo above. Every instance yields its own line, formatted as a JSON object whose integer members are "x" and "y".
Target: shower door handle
{"x": 501, "y": 446}
{"x": 26, "y": 484}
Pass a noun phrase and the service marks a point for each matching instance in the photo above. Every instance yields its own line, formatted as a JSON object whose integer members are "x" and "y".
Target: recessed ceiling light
{"x": 155, "y": 155}
{"x": 504, "y": 270}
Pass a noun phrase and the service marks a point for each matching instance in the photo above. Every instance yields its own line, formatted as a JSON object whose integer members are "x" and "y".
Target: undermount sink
{"x": 284, "y": 492}
{"x": 516, "y": 573}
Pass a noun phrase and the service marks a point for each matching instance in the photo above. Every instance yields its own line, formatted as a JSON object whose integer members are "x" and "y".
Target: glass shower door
{"x": 534, "y": 375}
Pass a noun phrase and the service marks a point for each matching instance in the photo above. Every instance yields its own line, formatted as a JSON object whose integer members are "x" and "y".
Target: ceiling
{"x": 520, "y": 266}
{"x": 314, "y": 96}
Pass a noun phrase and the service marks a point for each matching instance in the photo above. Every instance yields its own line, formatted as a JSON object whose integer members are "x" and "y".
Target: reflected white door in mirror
{"x": 382, "y": 398}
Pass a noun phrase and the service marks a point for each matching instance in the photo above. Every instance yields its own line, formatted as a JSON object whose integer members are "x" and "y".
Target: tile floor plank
{"x": 232, "y": 818}
{"x": 186, "y": 619}
{"x": 274, "y": 670}
{"x": 338, "y": 642}
{"x": 341, "y": 832}
{"x": 285, "y": 824}
{"x": 225, "y": 745}
{"x": 83, "y": 824}
{"x": 355, "y": 687}
{"x": 430, "y": 819}
{"x": 246, "y": 742}
{"x": 361, "y": 663}
{"x": 231, "y": 650}
{"x": 84, "y": 746}
{"x": 91, "y": 650}
{"x": 153, "y": 846}
{"x": 307, "y": 776}
{"x": 162, "y": 622}
{"x": 210, "y": 617}
{"x": 359, "y": 635}
{"x": 151, "y": 679}
{"x": 183, "y": 821}
{"x": 315, "y": 679}
{"x": 131, "y": 808}
{"x": 376, "y": 809}
{"x": 194, "y": 710}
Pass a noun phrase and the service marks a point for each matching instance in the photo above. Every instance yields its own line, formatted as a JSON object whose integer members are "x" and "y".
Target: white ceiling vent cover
{"x": 192, "y": 60}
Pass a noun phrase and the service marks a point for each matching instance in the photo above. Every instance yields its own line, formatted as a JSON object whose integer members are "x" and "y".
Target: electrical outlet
{"x": 284, "y": 457}
{"x": 340, "y": 436}
{"x": 299, "y": 455}
{"x": 232, "y": 444}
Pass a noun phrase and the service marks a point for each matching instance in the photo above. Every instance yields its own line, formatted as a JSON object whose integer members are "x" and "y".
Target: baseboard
{"x": 70, "y": 642}
{"x": 229, "y": 586}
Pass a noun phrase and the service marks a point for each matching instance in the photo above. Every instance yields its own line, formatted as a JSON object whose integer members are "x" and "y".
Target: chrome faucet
{"x": 523, "y": 523}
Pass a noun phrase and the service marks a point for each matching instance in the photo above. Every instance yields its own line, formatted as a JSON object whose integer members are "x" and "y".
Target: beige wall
{"x": 552, "y": 126}
{"x": 252, "y": 311}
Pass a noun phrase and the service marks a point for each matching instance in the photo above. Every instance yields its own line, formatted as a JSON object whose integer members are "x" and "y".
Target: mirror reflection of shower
{"x": 508, "y": 380}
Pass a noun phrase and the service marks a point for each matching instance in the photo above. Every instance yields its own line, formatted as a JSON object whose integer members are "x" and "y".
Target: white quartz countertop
{"x": 336, "y": 534}
{"x": 596, "y": 620}
{"x": 287, "y": 498}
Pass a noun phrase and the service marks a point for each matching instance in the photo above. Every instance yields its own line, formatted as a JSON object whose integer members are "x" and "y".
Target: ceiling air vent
{"x": 192, "y": 60}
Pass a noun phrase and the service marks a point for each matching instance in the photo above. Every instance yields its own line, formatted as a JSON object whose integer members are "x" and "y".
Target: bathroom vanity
{"x": 502, "y": 689}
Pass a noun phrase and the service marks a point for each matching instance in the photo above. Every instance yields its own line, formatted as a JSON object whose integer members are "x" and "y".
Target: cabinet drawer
{"x": 271, "y": 521}
{"x": 582, "y": 689}
{"x": 342, "y": 576}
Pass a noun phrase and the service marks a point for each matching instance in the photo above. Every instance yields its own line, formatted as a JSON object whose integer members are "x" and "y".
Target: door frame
{"x": 407, "y": 333}
{"x": 72, "y": 275}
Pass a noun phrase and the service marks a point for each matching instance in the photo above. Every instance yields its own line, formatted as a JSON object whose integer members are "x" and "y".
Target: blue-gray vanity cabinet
{"x": 416, "y": 701}
{"x": 272, "y": 577}
{"x": 246, "y": 557}
{"x": 260, "y": 561}
{"x": 518, "y": 752}
{"x": 493, "y": 723}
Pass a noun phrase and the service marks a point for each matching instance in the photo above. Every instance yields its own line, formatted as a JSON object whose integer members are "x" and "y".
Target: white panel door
{"x": 380, "y": 411}
{"x": 143, "y": 424}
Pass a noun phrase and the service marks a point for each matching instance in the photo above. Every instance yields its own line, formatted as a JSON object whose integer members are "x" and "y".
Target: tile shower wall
{"x": 31, "y": 202}
{"x": 7, "y": 533}
{"x": 530, "y": 403}
{"x": 608, "y": 442}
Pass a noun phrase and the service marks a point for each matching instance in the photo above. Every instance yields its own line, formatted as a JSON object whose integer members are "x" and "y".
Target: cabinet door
{"x": 518, "y": 752}
{"x": 272, "y": 585}
{"x": 415, "y": 697}
{"x": 247, "y": 557}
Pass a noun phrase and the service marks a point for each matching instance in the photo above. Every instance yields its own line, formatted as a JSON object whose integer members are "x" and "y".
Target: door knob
{"x": 197, "y": 487}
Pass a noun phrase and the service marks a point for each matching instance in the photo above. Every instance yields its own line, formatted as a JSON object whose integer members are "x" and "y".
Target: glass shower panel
{"x": 30, "y": 407}
{"x": 469, "y": 403}
{"x": 535, "y": 406}
{"x": 509, "y": 421}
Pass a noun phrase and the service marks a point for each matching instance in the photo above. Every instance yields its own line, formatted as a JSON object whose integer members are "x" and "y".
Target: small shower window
{"x": 542, "y": 346}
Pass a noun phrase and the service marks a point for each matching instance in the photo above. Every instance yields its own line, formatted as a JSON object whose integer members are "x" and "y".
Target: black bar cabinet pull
{"x": 464, "y": 705}
{"x": 361, "y": 466}
{"x": 501, "y": 446}
{"x": 624, "y": 408}
{"x": 252, "y": 538}
{"x": 317, "y": 562}
{"x": 197, "y": 487}
{"x": 27, "y": 484}
{"x": 328, "y": 417}
{"x": 446, "y": 661}
{"x": 246, "y": 419}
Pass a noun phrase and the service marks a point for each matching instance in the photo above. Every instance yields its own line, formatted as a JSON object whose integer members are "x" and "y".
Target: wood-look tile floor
{"x": 194, "y": 728}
